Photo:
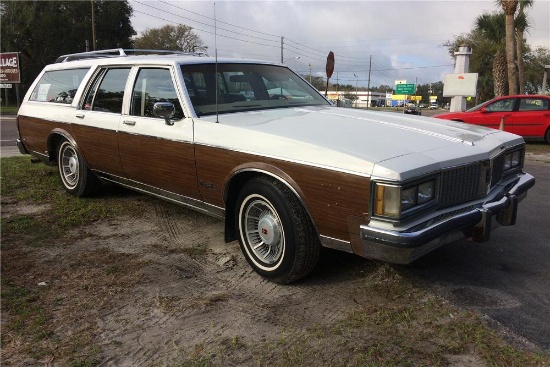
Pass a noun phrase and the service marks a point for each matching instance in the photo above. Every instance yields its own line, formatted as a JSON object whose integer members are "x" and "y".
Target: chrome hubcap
{"x": 269, "y": 230}
{"x": 263, "y": 231}
{"x": 69, "y": 166}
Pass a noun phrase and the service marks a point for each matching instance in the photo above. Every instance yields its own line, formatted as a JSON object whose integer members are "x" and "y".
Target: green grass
{"x": 25, "y": 183}
{"x": 5, "y": 110}
{"x": 537, "y": 147}
{"x": 27, "y": 316}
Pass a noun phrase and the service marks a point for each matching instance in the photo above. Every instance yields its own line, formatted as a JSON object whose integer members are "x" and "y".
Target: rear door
{"x": 157, "y": 155}
{"x": 531, "y": 118}
{"x": 98, "y": 118}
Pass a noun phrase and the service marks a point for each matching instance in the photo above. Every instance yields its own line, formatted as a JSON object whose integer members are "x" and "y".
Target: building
{"x": 364, "y": 98}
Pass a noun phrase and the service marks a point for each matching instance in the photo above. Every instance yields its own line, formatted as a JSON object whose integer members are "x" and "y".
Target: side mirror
{"x": 483, "y": 110}
{"x": 166, "y": 110}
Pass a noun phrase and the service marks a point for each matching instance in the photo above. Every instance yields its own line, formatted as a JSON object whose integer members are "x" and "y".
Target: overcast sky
{"x": 405, "y": 38}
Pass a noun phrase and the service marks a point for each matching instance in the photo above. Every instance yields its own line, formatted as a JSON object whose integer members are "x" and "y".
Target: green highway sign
{"x": 404, "y": 89}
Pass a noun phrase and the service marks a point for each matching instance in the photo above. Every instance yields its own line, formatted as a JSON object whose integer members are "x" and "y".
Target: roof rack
{"x": 120, "y": 52}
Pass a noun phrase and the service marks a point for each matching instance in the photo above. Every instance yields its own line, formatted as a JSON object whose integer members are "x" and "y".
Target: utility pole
{"x": 337, "y": 95}
{"x": 93, "y": 27}
{"x": 415, "y": 87}
{"x": 369, "y": 99}
{"x": 356, "y": 96}
{"x": 282, "y": 48}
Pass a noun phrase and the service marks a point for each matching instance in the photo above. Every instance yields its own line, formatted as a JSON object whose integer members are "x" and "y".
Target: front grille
{"x": 460, "y": 184}
{"x": 498, "y": 170}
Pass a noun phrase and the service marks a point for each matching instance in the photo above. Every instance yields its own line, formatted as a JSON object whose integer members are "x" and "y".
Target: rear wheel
{"x": 276, "y": 235}
{"x": 547, "y": 136}
{"x": 76, "y": 177}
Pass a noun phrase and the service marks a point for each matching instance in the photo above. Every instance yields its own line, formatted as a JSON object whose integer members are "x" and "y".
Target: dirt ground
{"x": 150, "y": 290}
{"x": 163, "y": 288}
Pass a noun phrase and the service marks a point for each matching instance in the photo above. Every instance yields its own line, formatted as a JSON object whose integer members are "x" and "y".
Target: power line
{"x": 292, "y": 46}
{"x": 204, "y": 24}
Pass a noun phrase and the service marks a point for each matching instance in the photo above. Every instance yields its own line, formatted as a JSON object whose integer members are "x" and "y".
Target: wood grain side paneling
{"x": 99, "y": 147}
{"x": 165, "y": 164}
{"x": 35, "y": 131}
{"x": 329, "y": 196}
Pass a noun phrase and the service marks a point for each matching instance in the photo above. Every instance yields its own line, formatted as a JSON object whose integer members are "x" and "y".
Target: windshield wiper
{"x": 246, "y": 105}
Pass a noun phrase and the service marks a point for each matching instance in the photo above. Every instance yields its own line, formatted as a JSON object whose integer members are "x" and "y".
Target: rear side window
{"x": 58, "y": 86}
{"x": 533, "y": 104}
{"x": 107, "y": 91}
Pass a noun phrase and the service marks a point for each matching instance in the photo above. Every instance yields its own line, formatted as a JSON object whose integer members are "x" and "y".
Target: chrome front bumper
{"x": 403, "y": 247}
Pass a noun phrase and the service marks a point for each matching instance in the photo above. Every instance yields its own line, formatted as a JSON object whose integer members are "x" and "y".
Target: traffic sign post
{"x": 406, "y": 89}
{"x": 329, "y": 68}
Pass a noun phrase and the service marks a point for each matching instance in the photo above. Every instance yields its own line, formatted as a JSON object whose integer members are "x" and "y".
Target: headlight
{"x": 512, "y": 160}
{"x": 391, "y": 201}
{"x": 426, "y": 192}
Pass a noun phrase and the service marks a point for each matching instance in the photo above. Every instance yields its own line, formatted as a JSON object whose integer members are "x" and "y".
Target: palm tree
{"x": 521, "y": 24}
{"x": 492, "y": 28}
{"x": 509, "y": 7}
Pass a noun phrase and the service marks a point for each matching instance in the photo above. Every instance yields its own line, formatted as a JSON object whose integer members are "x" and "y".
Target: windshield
{"x": 246, "y": 87}
{"x": 475, "y": 108}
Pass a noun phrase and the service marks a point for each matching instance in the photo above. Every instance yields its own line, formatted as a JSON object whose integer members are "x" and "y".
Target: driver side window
{"x": 503, "y": 105}
{"x": 154, "y": 85}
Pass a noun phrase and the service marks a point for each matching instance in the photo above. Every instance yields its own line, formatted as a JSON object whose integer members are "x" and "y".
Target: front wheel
{"x": 76, "y": 177}
{"x": 276, "y": 234}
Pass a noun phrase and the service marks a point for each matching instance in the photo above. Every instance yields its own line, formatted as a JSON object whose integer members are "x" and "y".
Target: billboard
{"x": 460, "y": 85}
{"x": 9, "y": 68}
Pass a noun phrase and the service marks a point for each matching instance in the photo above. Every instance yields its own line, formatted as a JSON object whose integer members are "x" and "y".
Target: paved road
{"x": 507, "y": 278}
{"x": 8, "y": 134}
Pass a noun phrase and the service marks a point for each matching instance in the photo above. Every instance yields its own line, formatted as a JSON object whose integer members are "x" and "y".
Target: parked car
{"x": 412, "y": 110}
{"x": 525, "y": 115}
{"x": 433, "y": 106}
{"x": 287, "y": 175}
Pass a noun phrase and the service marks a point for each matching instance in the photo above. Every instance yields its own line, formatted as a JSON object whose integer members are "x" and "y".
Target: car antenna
{"x": 216, "y": 61}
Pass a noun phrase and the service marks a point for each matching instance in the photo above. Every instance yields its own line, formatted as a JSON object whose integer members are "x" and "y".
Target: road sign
{"x": 404, "y": 89}
{"x": 3, "y": 85}
{"x": 330, "y": 64}
{"x": 9, "y": 67}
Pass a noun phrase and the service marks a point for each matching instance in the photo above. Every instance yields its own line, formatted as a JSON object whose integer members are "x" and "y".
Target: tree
{"x": 169, "y": 37}
{"x": 509, "y": 7}
{"x": 482, "y": 41}
{"x": 43, "y": 30}
{"x": 534, "y": 70}
{"x": 492, "y": 28}
{"x": 521, "y": 24}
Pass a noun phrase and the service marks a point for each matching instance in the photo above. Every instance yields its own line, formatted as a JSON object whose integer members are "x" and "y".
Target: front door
{"x": 157, "y": 155}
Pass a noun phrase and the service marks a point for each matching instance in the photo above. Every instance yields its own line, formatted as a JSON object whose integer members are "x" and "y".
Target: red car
{"x": 525, "y": 115}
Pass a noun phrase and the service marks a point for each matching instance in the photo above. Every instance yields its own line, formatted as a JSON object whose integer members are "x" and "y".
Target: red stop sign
{"x": 330, "y": 64}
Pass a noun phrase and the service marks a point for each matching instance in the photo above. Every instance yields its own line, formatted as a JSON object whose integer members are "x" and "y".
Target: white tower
{"x": 462, "y": 65}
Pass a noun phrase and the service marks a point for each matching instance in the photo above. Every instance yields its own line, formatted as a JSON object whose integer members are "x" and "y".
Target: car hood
{"x": 385, "y": 144}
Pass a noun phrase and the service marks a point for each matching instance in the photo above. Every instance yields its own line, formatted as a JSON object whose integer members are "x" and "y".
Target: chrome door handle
{"x": 129, "y": 122}
{"x": 80, "y": 115}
